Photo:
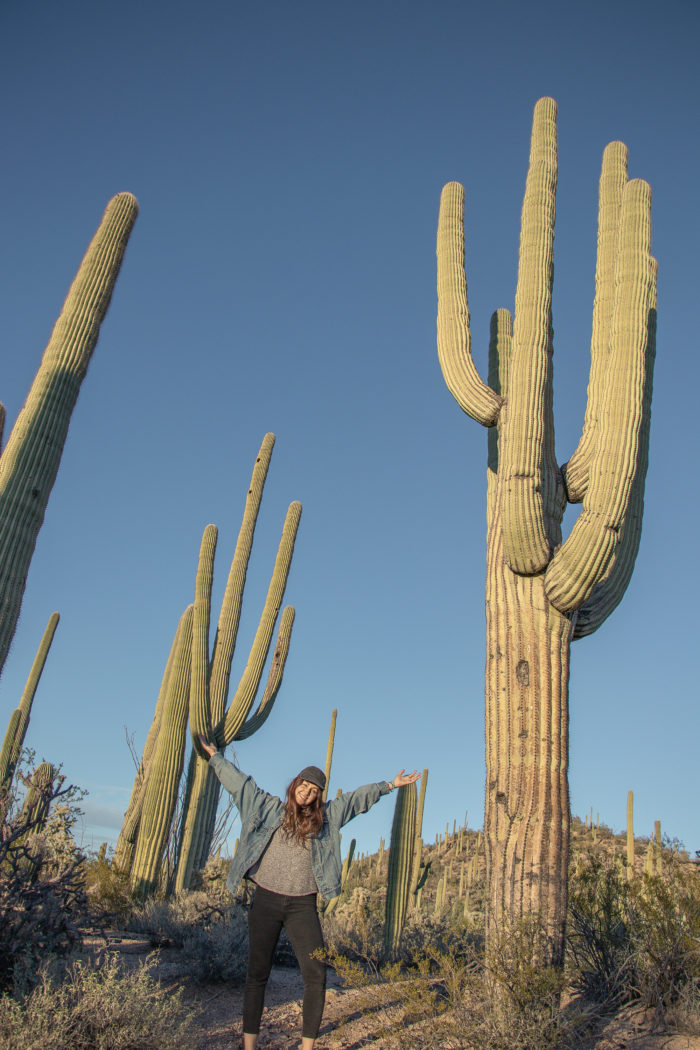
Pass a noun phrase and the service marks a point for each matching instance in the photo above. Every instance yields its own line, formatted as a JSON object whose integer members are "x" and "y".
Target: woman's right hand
{"x": 207, "y": 747}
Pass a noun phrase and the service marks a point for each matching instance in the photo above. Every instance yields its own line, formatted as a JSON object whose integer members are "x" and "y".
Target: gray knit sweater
{"x": 285, "y": 867}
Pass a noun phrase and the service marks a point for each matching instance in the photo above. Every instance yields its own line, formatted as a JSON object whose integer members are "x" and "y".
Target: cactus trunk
{"x": 19, "y": 721}
{"x": 527, "y": 797}
{"x": 30, "y": 460}
{"x": 160, "y": 797}
{"x": 401, "y": 854}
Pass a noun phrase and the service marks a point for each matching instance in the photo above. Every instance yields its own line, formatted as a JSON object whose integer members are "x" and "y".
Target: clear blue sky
{"x": 288, "y": 160}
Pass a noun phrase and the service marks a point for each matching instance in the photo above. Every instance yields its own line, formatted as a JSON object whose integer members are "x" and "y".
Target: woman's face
{"x": 305, "y": 794}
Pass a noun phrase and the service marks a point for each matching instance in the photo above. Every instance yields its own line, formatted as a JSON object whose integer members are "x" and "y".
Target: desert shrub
{"x": 108, "y": 892}
{"x": 211, "y": 937}
{"x": 665, "y": 935}
{"x": 355, "y": 929}
{"x": 97, "y": 1008}
{"x": 636, "y": 940}
{"x": 599, "y": 942}
{"x": 212, "y": 879}
{"x": 42, "y": 896}
{"x": 520, "y": 997}
{"x": 449, "y": 994}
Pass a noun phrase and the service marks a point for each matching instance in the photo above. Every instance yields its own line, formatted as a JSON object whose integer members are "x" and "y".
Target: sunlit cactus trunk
{"x": 527, "y": 794}
{"x": 124, "y": 850}
{"x": 165, "y": 769}
{"x": 30, "y": 460}
{"x": 542, "y": 593}
{"x": 401, "y": 851}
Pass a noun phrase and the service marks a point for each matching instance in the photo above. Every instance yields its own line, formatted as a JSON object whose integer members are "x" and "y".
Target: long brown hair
{"x": 302, "y": 822}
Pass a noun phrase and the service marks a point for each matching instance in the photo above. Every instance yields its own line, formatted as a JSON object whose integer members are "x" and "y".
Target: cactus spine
{"x": 541, "y": 593}
{"x": 30, "y": 460}
{"x": 19, "y": 720}
{"x": 210, "y": 679}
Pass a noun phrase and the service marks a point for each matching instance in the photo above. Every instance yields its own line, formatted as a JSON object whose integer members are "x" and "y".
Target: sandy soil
{"x": 347, "y": 1023}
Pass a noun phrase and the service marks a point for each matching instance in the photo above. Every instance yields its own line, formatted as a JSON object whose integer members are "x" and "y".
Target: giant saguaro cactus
{"x": 540, "y": 593}
{"x": 30, "y": 460}
{"x": 210, "y": 678}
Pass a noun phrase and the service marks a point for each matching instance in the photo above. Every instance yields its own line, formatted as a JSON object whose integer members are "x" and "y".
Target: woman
{"x": 291, "y": 851}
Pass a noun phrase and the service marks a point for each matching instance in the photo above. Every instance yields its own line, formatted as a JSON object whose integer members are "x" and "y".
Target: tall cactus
{"x": 406, "y": 875}
{"x": 329, "y": 751}
{"x": 123, "y": 853}
{"x": 19, "y": 720}
{"x": 540, "y": 593}
{"x": 165, "y": 769}
{"x": 630, "y": 835}
{"x": 419, "y": 870}
{"x": 210, "y": 679}
{"x": 30, "y": 460}
{"x": 401, "y": 847}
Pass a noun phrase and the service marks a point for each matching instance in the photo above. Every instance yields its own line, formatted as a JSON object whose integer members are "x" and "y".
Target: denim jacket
{"x": 261, "y": 815}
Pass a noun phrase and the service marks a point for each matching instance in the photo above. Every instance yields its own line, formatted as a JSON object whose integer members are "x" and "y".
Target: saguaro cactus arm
{"x": 609, "y": 591}
{"x": 453, "y": 333}
{"x": 622, "y": 430}
{"x": 526, "y": 455}
{"x": 613, "y": 177}
{"x": 200, "y": 706}
{"x": 274, "y": 678}
{"x": 229, "y": 617}
{"x": 230, "y": 725}
{"x": 30, "y": 460}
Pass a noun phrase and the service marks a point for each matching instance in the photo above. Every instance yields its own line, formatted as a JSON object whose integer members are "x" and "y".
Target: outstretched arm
{"x": 349, "y": 805}
{"x": 245, "y": 793}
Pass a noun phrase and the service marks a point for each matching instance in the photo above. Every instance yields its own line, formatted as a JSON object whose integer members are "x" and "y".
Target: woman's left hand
{"x": 400, "y": 780}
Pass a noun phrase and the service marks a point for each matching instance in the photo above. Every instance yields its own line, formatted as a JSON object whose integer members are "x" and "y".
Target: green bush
{"x": 638, "y": 939}
{"x": 665, "y": 935}
{"x": 108, "y": 891}
{"x": 99, "y": 1008}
